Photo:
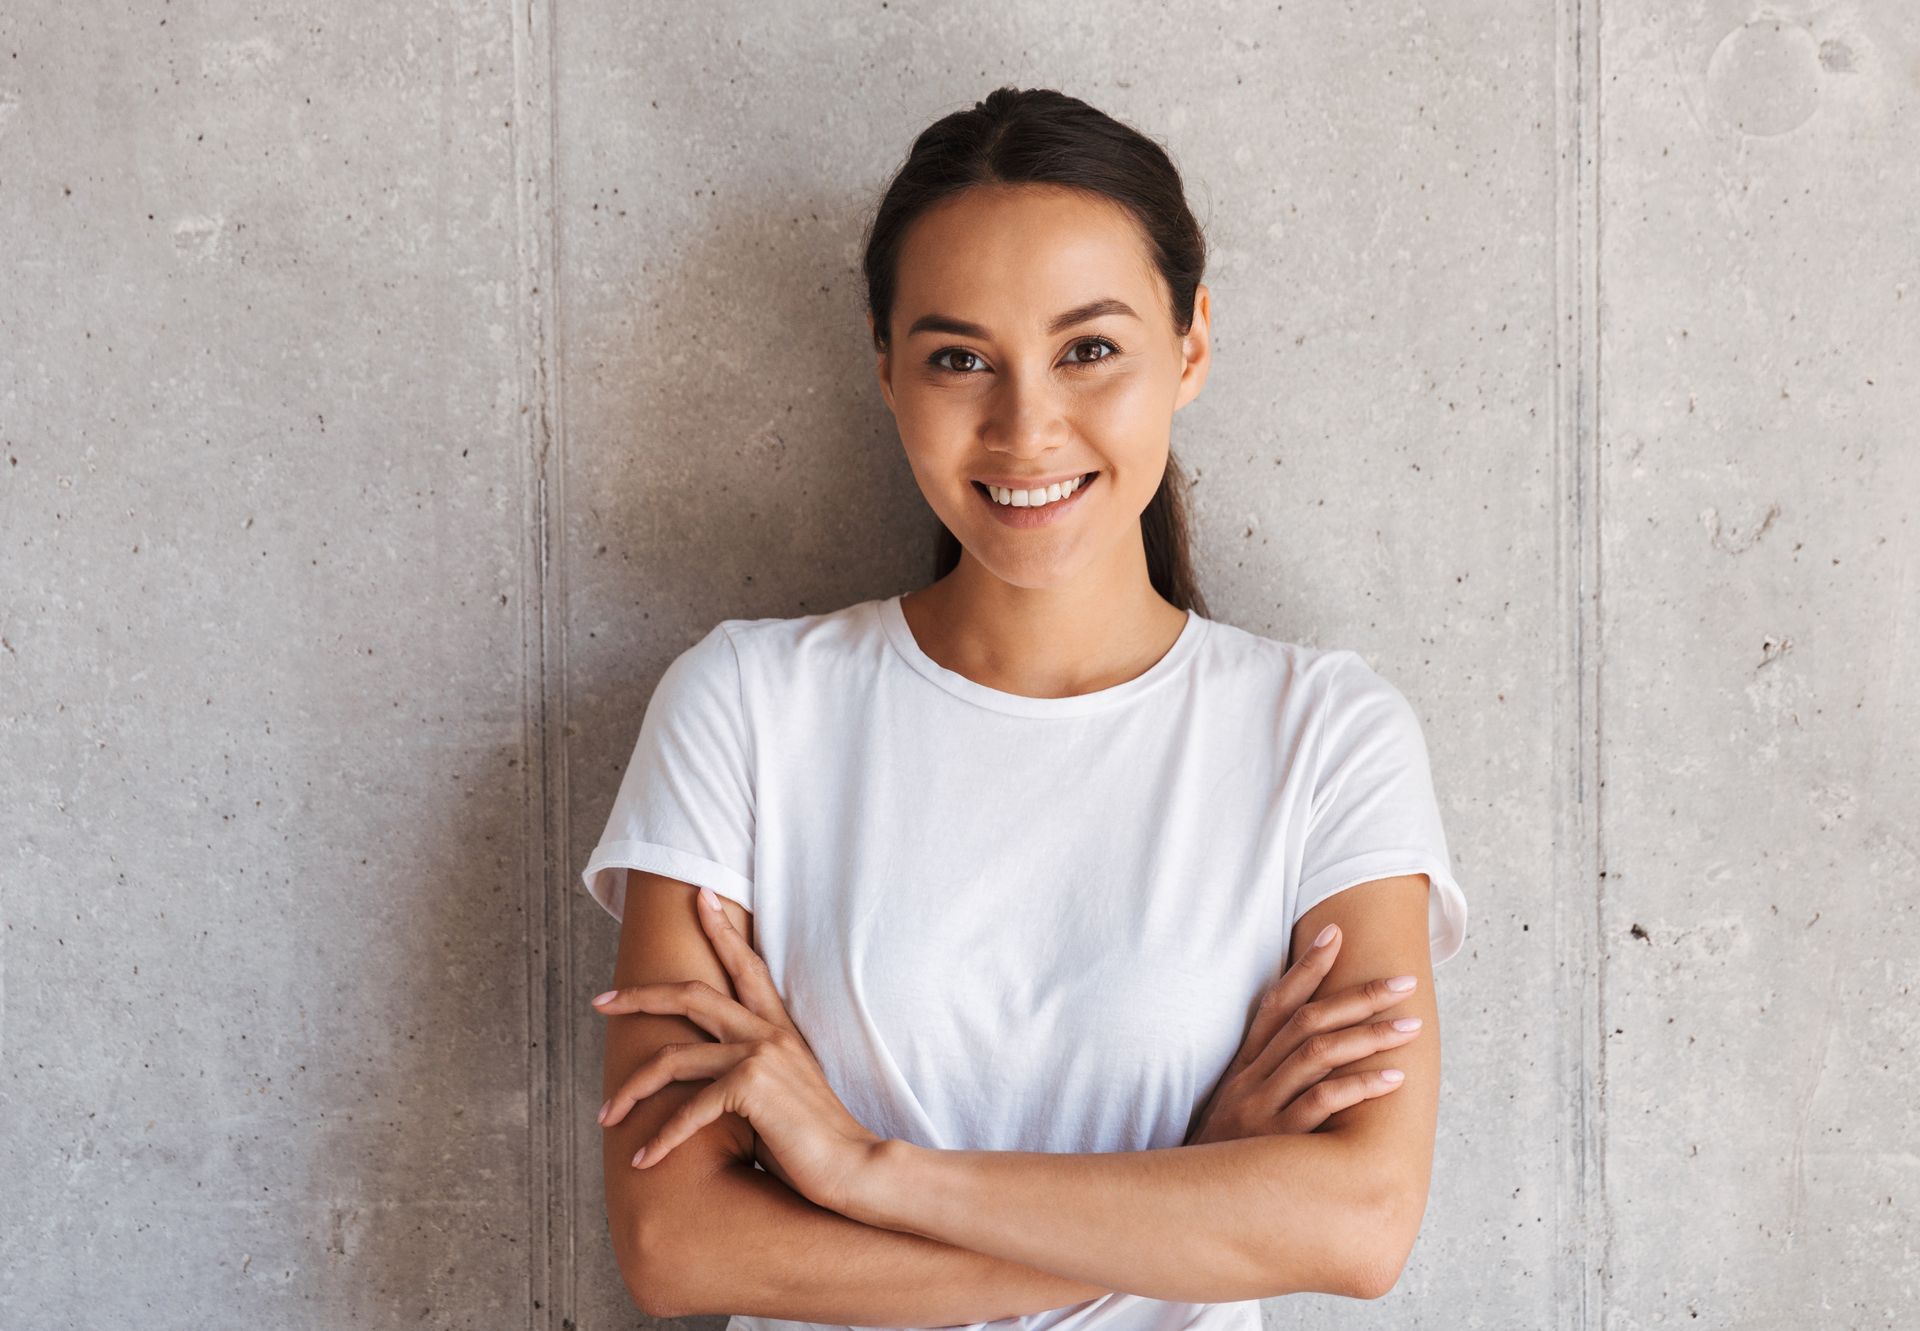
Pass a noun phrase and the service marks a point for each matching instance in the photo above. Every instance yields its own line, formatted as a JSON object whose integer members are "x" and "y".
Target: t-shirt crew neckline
{"x": 893, "y": 621}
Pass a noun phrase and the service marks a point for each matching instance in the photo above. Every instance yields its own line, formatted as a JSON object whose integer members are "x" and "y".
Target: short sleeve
{"x": 684, "y": 807}
{"x": 1373, "y": 813}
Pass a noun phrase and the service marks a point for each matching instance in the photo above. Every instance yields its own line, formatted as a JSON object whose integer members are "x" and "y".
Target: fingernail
{"x": 706, "y": 895}
{"x": 1406, "y": 1023}
{"x": 1326, "y": 935}
{"x": 603, "y": 1110}
{"x": 639, "y": 1155}
{"x": 1392, "y": 1074}
{"x": 611, "y": 993}
{"x": 1400, "y": 983}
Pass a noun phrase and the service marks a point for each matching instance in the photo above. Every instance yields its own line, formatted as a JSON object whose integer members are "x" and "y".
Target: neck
{"x": 1058, "y": 641}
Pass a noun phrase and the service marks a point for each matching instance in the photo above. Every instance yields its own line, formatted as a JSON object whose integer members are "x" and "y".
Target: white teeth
{"x": 1034, "y": 498}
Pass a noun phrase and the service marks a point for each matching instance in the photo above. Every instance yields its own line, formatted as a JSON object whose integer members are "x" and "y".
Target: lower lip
{"x": 1045, "y": 515}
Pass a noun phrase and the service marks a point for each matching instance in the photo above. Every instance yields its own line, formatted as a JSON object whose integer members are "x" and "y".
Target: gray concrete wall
{"x": 390, "y": 392}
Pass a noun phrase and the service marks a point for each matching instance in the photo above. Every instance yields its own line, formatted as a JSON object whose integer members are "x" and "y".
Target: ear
{"x": 883, "y": 367}
{"x": 1196, "y": 348}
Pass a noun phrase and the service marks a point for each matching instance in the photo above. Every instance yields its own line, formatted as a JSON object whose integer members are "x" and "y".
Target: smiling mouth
{"x": 986, "y": 492}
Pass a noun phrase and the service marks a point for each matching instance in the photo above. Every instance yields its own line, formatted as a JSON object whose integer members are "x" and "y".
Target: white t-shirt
{"x": 1016, "y": 923}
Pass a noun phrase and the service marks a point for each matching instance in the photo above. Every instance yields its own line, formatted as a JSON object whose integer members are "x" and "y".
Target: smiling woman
{"x": 1083, "y": 327}
{"x": 1012, "y": 859}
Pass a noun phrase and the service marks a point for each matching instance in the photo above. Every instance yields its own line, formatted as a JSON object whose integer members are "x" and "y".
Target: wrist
{"x": 878, "y": 1183}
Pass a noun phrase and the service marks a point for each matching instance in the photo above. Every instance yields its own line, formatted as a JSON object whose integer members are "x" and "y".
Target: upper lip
{"x": 1032, "y": 483}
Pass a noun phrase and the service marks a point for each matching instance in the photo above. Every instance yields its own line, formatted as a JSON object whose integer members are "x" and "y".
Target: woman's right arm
{"x": 705, "y": 1232}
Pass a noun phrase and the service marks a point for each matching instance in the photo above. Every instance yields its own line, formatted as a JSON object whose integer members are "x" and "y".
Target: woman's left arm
{"x": 1213, "y": 1223}
{"x": 1333, "y": 1211}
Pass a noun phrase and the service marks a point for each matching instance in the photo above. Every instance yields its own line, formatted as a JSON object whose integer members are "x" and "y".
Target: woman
{"x": 1010, "y": 861}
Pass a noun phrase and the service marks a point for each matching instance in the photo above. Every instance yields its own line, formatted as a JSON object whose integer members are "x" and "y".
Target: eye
{"x": 1112, "y": 350}
{"x": 935, "y": 359}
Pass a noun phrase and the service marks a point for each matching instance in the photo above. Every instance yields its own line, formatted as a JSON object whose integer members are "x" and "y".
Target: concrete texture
{"x": 390, "y": 392}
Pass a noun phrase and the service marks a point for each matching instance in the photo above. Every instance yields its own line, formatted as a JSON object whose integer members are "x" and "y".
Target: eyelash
{"x": 934, "y": 359}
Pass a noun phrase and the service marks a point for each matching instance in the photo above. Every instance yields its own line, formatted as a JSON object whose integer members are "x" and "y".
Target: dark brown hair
{"x": 1039, "y": 136}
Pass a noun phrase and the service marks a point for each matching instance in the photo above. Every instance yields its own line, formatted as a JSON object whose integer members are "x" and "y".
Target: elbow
{"x": 648, "y": 1282}
{"x": 648, "y": 1274}
{"x": 1377, "y": 1280}
{"x": 1384, "y": 1238}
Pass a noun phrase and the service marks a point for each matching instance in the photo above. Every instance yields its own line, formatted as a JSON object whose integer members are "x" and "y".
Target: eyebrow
{"x": 1079, "y": 314}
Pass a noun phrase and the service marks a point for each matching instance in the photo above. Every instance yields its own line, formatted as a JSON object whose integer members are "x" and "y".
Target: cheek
{"x": 1127, "y": 422}
{"x": 1125, "y": 407}
{"x": 932, "y": 421}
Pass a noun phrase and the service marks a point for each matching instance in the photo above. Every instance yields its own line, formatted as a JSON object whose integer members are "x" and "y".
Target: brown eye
{"x": 1112, "y": 350}
{"x": 934, "y": 359}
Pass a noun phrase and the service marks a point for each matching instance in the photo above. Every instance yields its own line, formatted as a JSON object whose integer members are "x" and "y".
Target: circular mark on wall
{"x": 1836, "y": 57}
{"x": 1764, "y": 77}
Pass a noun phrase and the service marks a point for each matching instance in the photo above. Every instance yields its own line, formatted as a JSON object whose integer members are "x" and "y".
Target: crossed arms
{"x": 953, "y": 1237}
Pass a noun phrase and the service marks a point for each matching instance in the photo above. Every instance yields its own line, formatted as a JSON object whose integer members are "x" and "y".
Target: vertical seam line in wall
{"x": 1593, "y": 660}
{"x": 1583, "y": 1246}
{"x": 546, "y": 865}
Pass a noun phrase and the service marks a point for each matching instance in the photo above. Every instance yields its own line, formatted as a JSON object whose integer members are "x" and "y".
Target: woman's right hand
{"x": 1279, "y": 1080}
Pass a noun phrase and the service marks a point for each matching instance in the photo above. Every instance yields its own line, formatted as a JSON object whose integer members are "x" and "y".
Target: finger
{"x": 694, "y": 1115}
{"x": 751, "y": 978}
{"x": 1321, "y": 1054}
{"x": 718, "y": 1014}
{"x": 1349, "y": 1007}
{"x": 668, "y": 1064}
{"x": 1286, "y": 995}
{"x": 1327, "y": 1098}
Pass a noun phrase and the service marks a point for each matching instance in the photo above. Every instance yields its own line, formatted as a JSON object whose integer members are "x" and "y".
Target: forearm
{"x": 1212, "y": 1223}
{"x": 753, "y": 1246}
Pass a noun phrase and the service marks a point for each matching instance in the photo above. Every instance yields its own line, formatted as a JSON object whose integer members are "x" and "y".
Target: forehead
{"x": 1012, "y": 257}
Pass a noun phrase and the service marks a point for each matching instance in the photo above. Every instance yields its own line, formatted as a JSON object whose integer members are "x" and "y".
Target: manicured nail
{"x": 639, "y": 1155}
{"x": 707, "y": 895}
{"x": 1406, "y": 1023}
{"x": 603, "y": 1110}
{"x": 1401, "y": 983}
{"x": 611, "y": 993}
{"x": 1326, "y": 935}
{"x": 1392, "y": 1074}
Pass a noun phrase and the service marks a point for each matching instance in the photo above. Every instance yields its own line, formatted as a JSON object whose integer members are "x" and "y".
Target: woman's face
{"x": 1032, "y": 343}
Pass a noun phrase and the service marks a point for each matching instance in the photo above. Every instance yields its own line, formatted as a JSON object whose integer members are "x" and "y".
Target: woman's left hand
{"x": 763, "y": 1070}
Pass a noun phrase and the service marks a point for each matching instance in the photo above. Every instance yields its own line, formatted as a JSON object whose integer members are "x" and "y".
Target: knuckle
{"x": 660, "y": 1060}
{"x": 1316, "y": 1016}
{"x": 1318, "y": 1048}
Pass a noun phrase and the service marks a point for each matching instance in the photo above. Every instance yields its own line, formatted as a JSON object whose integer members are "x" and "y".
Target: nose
{"x": 1025, "y": 418}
